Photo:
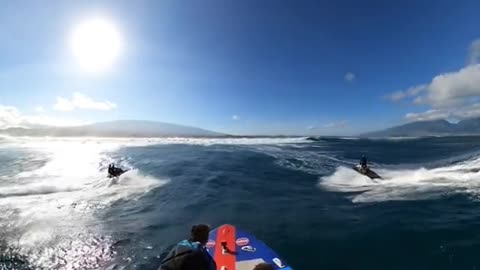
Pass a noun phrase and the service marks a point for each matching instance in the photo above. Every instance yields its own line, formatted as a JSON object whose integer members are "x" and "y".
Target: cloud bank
{"x": 12, "y": 117}
{"x": 81, "y": 101}
{"x": 453, "y": 94}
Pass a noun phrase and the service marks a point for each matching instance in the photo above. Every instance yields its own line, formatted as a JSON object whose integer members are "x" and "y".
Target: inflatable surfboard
{"x": 234, "y": 249}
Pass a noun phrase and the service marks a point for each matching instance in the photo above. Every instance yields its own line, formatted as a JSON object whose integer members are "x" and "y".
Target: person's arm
{"x": 168, "y": 261}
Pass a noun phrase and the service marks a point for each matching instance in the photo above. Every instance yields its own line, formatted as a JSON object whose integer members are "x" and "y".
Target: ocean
{"x": 58, "y": 210}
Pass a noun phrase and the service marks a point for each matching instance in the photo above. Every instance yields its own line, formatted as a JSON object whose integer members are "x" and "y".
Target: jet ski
{"x": 367, "y": 172}
{"x": 114, "y": 171}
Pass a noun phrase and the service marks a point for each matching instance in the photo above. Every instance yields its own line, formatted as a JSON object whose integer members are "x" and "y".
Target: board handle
{"x": 226, "y": 250}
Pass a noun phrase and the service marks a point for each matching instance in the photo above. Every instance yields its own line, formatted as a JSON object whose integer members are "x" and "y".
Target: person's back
{"x": 363, "y": 162}
{"x": 190, "y": 254}
{"x": 186, "y": 255}
{"x": 114, "y": 171}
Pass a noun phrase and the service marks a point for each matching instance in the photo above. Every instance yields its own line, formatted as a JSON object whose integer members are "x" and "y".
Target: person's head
{"x": 200, "y": 233}
{"x": 263, "y": 266}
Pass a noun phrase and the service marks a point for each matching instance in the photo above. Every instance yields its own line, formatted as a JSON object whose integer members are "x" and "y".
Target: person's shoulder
{"x": 183, "y": 243}
{"x": 188, "y": 243}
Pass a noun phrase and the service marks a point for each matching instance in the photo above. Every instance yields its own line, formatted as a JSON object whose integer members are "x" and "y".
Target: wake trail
{"x": 406, "y": 184}
{"x": 58, "y": 204}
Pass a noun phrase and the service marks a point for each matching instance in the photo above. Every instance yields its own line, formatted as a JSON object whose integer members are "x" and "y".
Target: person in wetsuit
{"x": 363, "y": 163}
{"x": 191, "y": 254}
{"x": 114, "y": 171}
{"x": 110, "y": 169}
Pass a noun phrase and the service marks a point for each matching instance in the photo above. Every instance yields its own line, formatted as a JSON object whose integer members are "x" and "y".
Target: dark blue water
{"x": 59, "y": 211}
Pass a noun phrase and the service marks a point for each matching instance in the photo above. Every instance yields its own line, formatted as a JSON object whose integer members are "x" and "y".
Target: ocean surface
{"x": 58, "y": 210}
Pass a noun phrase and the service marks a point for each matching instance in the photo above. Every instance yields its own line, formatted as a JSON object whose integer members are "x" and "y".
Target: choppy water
{"x": 58, "y": 210}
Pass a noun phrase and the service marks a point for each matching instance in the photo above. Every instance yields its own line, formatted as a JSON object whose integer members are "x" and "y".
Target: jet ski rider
{"x": 363, "y": 164}
{"x": 114, "y": 171}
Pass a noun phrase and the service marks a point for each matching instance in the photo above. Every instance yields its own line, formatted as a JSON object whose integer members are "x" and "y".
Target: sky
{"x": 241, "y": 67}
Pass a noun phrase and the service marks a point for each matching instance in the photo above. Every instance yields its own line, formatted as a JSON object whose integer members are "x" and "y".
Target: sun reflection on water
{"x": 52, "y": 214}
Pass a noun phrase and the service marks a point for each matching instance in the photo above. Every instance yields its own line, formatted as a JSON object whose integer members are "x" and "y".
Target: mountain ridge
{"x": 441, "y": 127}
{"x": 118, "y": 128}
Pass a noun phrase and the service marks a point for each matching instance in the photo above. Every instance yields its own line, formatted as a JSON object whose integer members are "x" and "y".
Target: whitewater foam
{"x": 412, "y": 184}
{"x": 55, "y": 206}
{"x": 48, "y": 142}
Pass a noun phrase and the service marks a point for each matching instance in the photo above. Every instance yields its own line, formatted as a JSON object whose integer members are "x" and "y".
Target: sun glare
{"x": 96, "y": 44}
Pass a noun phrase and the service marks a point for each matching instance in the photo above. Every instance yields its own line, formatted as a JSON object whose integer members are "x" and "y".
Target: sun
{"x": 96, "y": 44}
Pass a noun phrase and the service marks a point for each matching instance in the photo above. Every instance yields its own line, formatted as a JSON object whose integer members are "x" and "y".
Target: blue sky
{"x": 246, "y": 67}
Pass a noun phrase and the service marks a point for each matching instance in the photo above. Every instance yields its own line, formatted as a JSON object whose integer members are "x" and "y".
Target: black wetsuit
{"x": 113, "y": 171}
{"x": 363, "y": 163}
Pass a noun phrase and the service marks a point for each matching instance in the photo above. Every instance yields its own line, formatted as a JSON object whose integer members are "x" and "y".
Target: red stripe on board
{"x": 225, "y": 233}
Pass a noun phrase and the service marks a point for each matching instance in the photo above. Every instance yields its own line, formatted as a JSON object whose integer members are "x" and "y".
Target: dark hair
{"x": 264, "y": 266}
{"x": 200, "y": 233}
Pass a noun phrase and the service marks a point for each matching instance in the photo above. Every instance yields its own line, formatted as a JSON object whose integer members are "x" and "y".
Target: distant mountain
{"x": 122, "y": 128}
{"x": 430, "y": 128}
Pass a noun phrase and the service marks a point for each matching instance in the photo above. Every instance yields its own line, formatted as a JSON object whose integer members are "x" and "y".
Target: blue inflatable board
{"x": 234, "y": 249}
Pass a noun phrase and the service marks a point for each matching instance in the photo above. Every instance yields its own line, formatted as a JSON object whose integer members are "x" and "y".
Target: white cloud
{"x": 63, "y": 104}
{"x": 418, "y": 100}
{"x": 12, "y": 117}
{"x": 448, "y": 94}
{"x": 396, "y": 96}
{"x": 454, "y": 94}
{"x": 31, "y": 120}
{"x": 474, "y": 54}
{"x": 462, "y": 112}
{"x": 454, "y": 88}
{"x": 339, "y": 124}
{"x": 312, "y": 127}
{"x": 467, "y": 112}
{"x": 235, "y": 117}
{"x": 9, "y": 116}
{"x": 410, "y": 92}
{"x": 39, "y": 109}
{"x": 448, "y": 89}
{"x": 81, "y": 101}
{"x": 428, "y": 115}
{"x": 349, "y": 77}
